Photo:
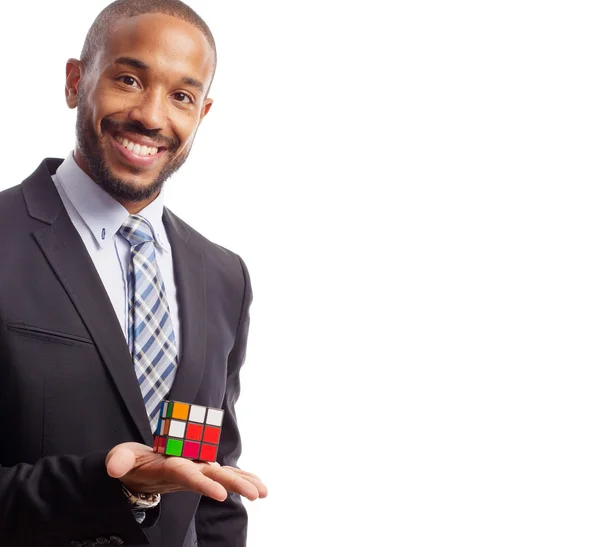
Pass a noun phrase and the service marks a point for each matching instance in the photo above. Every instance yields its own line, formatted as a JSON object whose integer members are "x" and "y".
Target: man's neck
{"x": 133, "y": 207}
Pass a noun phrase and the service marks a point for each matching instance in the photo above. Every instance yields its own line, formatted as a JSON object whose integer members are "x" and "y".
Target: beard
{"x": 90, "y": 148}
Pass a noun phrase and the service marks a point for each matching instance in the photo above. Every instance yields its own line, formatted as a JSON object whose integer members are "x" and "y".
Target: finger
{"x": 260, "y": 486}
{"x": 190, "y": 476}
{"x": 241, "y": 471}
{"x": 120, "y": 461}
{"x": 263, "y": 492}
{"x": 233, "y": 482}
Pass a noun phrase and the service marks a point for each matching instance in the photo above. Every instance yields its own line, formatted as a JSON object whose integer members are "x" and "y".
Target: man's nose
{"x": 150, "y": 111}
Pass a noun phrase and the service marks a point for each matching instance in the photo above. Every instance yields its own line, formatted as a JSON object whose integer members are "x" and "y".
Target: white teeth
{"x": 140, "y": 150}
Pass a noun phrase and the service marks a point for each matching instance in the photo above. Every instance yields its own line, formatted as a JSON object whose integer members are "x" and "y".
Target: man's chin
{"x": 126, "y": 182}
{"x": 126, "y": 189}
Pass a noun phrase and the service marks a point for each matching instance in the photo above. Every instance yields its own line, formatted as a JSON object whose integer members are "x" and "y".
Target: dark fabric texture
{"x": 68, "y": 391}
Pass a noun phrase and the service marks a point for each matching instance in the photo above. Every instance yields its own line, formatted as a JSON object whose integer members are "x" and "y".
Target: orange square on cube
{"x": 181, "y": 411}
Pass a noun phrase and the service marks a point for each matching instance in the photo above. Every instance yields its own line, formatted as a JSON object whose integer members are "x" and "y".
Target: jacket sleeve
{"x": 64, "y": 501}
{"x": 224, "y": 524}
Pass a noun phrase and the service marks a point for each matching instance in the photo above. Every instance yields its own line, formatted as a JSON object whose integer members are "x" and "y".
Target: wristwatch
{"x": 141, "y": 501}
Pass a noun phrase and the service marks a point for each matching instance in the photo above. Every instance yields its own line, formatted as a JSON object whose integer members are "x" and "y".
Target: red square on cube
{"x": 208, "y": 452}
{"x": 211, "y": 434}
{"x": 190, "y": 450}
{"x": 194, "y": 432}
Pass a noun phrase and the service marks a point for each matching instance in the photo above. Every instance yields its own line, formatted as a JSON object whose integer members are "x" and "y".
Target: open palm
{"x": 142, "y": 470}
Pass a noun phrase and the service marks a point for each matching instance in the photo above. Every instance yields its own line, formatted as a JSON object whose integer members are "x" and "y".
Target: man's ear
{"x": 205, "y": 108}
{"x": 73, "y": 82}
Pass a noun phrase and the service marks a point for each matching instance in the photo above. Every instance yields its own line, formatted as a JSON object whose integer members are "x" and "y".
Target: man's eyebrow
{"x": 193, "y": 82}
{"x": 130, "y": 61}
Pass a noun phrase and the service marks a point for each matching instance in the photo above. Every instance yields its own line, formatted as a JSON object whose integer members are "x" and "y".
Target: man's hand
{"x": 143, "y": 471}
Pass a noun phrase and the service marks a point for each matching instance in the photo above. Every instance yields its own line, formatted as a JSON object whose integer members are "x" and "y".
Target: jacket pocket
{"x": 46, "y": 334}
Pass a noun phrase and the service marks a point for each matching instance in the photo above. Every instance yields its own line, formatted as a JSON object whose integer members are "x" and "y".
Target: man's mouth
{"x": 137, "y": 148}
{"x": 140, "y": 151}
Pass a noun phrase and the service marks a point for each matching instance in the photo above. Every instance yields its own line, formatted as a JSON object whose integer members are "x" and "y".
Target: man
{"x": 109, "y": 304}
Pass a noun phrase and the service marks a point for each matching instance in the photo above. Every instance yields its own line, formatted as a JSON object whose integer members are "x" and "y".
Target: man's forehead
{"x": 158, "y": 40}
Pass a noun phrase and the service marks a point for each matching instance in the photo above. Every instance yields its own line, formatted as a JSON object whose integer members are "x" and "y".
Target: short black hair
{"x": 131, "y": 8}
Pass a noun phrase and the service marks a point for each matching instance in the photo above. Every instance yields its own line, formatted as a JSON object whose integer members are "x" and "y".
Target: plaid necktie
{"x": 151, "y": 335}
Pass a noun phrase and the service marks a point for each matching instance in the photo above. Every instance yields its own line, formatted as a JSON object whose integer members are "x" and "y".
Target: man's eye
{"x": 128, "y": 80}
{"x": 182, "y": 98}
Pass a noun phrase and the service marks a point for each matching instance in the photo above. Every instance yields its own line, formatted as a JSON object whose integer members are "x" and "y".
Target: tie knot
{"x": 136, "y": 230}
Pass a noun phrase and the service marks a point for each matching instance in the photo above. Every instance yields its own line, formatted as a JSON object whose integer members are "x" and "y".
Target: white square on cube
{"x": 177, "y": 429}
{"x": 215, "y": 417}
{"x": 197, "y": 414}
{"x": 164, "y": 410}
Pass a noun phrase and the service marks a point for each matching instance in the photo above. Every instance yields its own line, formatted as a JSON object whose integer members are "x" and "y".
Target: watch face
{"x": 144, "y": 504}
{"x": 141, "y": 501}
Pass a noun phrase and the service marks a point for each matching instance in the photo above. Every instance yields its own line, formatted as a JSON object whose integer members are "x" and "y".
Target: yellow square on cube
{"x": 180, "y": 411}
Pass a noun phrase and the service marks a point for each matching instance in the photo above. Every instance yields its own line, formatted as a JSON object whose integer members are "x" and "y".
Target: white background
{"x": 415, "y": 189}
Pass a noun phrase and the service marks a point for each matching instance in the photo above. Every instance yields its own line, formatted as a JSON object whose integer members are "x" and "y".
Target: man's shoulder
{"x": 13, "y": 199}
{"x": 214, "y": 255}
{"x": 12, "y": 194}
{"x": 11, "y": 203}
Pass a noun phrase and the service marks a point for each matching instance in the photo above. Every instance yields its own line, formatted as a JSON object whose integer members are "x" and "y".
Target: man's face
{"x": 140, "y": 103}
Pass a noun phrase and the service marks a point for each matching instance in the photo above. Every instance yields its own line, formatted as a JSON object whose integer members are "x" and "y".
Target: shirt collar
{"x": 102, "y": 214}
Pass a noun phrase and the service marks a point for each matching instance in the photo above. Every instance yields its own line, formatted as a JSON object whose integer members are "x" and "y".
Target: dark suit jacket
{"x": 68, "y": 392}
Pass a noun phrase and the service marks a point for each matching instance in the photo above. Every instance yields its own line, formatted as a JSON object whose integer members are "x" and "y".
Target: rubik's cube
{"x": 188, "y": 431}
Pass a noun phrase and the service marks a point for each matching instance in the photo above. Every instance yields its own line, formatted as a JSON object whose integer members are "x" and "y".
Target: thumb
{"x": 120, "y": 461}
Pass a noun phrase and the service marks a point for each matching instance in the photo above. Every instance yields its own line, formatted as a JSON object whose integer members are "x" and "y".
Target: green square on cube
{"x": 174, "y": 447}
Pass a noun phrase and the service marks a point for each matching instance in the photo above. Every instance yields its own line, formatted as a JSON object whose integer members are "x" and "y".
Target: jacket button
{"x": 102, "y": 541}
{"x": 76, "y": 543}
{"x": 116, "y": 540}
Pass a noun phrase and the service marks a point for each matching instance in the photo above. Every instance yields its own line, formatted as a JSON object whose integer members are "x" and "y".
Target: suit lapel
{"x": 70, "y": 261}
{"x": 191, "y": 301}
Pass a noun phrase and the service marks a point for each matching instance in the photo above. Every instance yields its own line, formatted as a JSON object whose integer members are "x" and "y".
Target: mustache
{"x": 137, "y": 128}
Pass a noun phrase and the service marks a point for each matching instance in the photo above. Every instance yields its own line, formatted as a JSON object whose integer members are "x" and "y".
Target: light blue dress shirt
{"x": 97, "y": 217}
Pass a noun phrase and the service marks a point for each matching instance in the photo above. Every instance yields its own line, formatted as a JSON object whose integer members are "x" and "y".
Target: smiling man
{"x": 144, "y": 94}
{"x": 110, "y": 304}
